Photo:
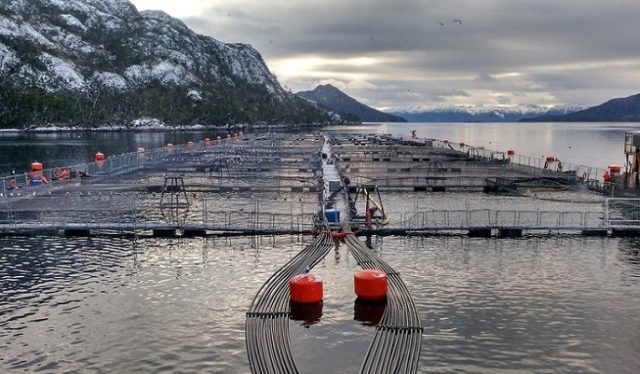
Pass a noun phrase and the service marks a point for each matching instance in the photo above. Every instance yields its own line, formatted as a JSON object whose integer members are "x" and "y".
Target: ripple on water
{"x": 550, "y": 304}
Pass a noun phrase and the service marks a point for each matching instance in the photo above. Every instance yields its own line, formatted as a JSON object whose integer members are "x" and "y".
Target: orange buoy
{"x": 99, "y": 156}
{"x": 550, "y": 158}
{"x": 36, "y": 167}
{"x": 510, "y": 152}
{"x": 614, "y": 169}
{"x": 370, "y": 284}
{"x": 305, "y": 288}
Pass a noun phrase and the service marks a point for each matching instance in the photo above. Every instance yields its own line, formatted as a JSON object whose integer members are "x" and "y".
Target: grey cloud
{"x": 497, "y": 36}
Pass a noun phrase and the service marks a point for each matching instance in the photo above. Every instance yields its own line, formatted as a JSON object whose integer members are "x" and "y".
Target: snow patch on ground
{"x": 194, "y": 95}
{"x": 111, "y": 80}
{"x": 8, "y": 27}
{"x": 73, "y": 22}
{"x": 63, "y": 70}
{"x": 8, "y": 59}
{"x": 68, "y": 40}
{"x": 164, "y": 71}
{"x": 167, "y": 72}
{"x": 147, "y": 123}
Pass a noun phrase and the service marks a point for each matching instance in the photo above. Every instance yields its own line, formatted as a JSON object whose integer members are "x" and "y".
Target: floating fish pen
{"x": 333, "y": 187}
{"x": 393, "y": 164}
{"x": 302, "y": 183}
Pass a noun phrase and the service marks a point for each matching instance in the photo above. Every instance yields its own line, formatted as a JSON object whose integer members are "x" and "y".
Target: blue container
{"x": 333, "y": 215}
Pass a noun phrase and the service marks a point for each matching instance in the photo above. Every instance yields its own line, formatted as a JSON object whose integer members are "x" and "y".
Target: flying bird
{"x": 441, "y": 23}
{"x": 456, "y": 21}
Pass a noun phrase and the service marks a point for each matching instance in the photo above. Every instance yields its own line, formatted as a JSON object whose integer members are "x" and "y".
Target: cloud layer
{"x": 404, "y": 53}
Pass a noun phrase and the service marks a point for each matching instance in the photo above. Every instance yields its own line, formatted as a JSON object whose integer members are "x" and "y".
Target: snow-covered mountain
{"x": 102, "y": 60}
{"x": 622, "y": 109}
{"x": 478, "y": 113}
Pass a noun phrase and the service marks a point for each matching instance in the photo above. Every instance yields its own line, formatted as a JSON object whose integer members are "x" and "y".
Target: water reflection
{"x": 369, "y": 313}
{"x": 307, "y": 314}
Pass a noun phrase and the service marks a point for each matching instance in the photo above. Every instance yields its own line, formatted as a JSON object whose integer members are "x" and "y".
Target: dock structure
{"x": 279, "y": 184}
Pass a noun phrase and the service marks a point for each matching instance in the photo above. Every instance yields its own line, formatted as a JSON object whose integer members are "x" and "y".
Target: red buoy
{"x": 99, "y": 156}
{"x": 461, "y": 144}
{"x": 305, "y": 288}
{"x": 370, "y": 284}
{"x": 510, "y": 152}
{"x": 614, "y": 168}
{"x": 550, "y": 159}
{"x": 446, "y": 141}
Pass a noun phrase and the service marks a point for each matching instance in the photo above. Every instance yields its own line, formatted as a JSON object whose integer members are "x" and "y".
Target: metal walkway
{"x": 301, "y": 218}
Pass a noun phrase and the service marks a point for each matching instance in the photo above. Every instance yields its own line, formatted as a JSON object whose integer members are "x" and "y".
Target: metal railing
{"x": 529, "y": 164}
{"x": 479, "y": 218}
{"x": 255, "y": 216}
{"x": 622, "y": 213}
{"x": 111, "y": 166}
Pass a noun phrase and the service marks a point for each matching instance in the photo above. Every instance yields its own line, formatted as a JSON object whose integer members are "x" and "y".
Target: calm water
{"x": 120, "y": 305}
{"x": 549, "y": 304}
{"x": 590, "y": 144}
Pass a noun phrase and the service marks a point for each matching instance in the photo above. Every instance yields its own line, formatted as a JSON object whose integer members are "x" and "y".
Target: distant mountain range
{"x": 91, "y": 62}
{"x": 625, "y": 109}
{"x": 350, "y": 109}
{"x": 478, "y": 114}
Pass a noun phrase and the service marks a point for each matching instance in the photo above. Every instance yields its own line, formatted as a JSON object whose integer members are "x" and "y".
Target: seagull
{"x": 456, "y": 21}
{"x": 441, "y": 23}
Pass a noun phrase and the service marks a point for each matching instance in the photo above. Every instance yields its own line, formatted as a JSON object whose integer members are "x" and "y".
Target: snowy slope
{"x": 90, "y": 46}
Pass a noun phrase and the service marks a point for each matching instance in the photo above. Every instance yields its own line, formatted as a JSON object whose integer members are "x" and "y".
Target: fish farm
{"x": 340, "y": 190}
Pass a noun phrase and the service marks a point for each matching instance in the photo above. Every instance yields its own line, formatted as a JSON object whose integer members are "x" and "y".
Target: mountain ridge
{"x": 477, "y": 114}
{"x": 624, "y": 109}
{"x": 332, "y": 98}
{"x": 102, "y": 61}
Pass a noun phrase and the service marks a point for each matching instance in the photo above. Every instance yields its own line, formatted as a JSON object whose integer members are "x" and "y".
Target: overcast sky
{"x": 404, "y": 53}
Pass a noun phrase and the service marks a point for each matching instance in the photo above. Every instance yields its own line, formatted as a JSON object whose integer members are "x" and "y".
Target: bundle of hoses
{"x": 398, "y": 340}
{"x": 267, "y": 324}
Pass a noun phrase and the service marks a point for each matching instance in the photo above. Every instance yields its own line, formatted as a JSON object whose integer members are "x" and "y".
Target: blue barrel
{"x": 333, "y": 215}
